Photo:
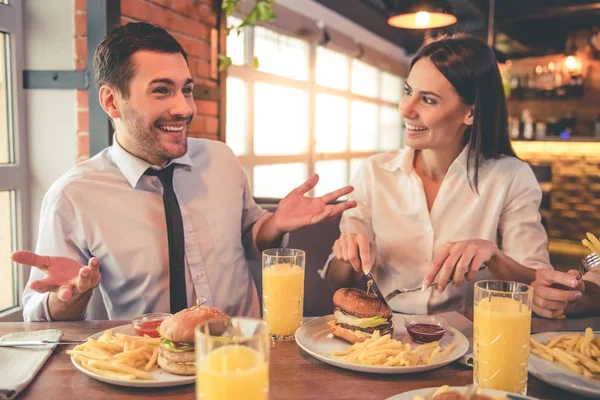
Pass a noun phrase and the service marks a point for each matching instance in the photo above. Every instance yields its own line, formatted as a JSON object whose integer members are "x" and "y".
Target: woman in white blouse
{"x": 454, "y": 199}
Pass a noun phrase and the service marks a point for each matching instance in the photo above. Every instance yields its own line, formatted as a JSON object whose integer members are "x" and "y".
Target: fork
{"x": 434, "y": 286}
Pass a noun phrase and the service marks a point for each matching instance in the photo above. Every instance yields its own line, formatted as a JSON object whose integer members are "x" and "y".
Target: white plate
{"x": 558, "y": 375}
{"x": 314, "y": 338}
{"x": 162, "y": 377}
{"x": 424, "y": 393}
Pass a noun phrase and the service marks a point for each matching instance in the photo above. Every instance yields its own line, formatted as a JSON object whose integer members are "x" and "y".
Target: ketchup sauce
{"x": 424, "y": 332}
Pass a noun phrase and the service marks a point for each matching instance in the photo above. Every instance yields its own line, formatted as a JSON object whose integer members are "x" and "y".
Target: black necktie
{"x": 177, "y": 288}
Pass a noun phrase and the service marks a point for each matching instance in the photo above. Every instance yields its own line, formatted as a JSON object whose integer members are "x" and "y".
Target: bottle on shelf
{"x": 527, "y": 120}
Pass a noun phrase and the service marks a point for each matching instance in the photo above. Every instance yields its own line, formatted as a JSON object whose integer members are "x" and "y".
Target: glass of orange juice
{"x": 501, "y": 328}
{"x": 283, "y": 291}
{"x": 233, "y": 364}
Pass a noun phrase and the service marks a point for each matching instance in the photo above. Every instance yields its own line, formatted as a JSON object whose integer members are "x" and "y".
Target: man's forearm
{"x": 589, "y": 304}
{"x": 268, "y": 235}
{"x": 505, "y": 268}
{"x": 71, "y": 310}
{"x": 341, "y": 274}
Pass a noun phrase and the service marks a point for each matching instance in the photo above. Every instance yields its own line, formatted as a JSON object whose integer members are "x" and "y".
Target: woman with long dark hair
{"x": 454, "y": 199}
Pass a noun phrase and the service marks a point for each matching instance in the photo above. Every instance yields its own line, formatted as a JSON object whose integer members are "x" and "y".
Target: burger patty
{"x": 383, "y": 329}
{"x": 177, "y": 356}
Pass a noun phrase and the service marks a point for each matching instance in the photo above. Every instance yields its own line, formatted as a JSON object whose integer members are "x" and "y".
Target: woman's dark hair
{"x": 471, "y": 67}
{"x": 112, "y": 59}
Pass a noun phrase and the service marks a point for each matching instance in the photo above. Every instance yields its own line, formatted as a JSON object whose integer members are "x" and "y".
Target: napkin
{"x": 19, "y": 365}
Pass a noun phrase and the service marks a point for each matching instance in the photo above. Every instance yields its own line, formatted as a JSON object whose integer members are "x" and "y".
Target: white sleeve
{"x": 57, "y": 237}
{"x": 521, "y": 234}
{"x": 357, "y": 219}
{"x": 253, "y": 216}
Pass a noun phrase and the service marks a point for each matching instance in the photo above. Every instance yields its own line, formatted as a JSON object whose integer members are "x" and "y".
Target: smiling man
{"x": 157, "y": 219}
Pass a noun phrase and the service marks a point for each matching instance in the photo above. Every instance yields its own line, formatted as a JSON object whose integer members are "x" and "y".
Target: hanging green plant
{"x": 262, "y": 11}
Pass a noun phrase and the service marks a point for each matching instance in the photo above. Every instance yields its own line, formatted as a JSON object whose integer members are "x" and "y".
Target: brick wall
{"x": 83, "y": 137}
{"x": 575, "y": 194}
{"x": 190, "y": 22}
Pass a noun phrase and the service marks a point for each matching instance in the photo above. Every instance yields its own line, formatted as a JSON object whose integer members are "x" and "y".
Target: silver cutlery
{"x": 433, "y": 286}
{"x": 21, "y": 343}
{"x": 375, "y": 289}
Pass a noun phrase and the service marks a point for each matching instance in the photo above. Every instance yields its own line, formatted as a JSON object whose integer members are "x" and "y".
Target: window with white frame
{"x": 13, "y": 173}
{"x": 305, "y": 109}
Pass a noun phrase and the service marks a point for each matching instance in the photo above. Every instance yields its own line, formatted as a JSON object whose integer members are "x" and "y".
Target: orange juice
{"x": 232, "y": 372}
{"x": 283, "y": 298}
{"x": 501, "y": 328}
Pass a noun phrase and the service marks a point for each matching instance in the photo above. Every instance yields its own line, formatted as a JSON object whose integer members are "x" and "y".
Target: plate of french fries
{"x": 432, "y": 392}
{"x": 121, "y": 357}
{"x": 381, "y": 354}
{"x": 569, "y": 360}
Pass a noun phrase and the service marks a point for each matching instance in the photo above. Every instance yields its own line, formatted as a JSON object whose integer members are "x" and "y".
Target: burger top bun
{"x": 179, "y": 328}
{"x": 360, "y": 304}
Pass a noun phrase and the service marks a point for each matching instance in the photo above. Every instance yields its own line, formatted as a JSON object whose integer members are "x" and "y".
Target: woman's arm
{"x": 505, "y": 268}
{"x": 522, "y": 240}
{"x": 341, "y": 274}
{"x": 355, "y": 223}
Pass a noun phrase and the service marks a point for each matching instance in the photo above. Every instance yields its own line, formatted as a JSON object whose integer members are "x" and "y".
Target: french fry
{"x": 544, "y": 355}
{"x": 434, "y": 354}
{"x": 341, "y": 353}
{"x": 110, "y": 374}
{"x": 385, "y": 351}
{"x": 589, "y": 245}
{"x": 427, "y": 346}
{"x": 441, "y": 389}
{"x": 566, "y": 355}
{"x": 594, "y": 241}
{"x": 589, "y": 363}
{"x": 557, "y": 339}
{"x": 578, "y": 352}
{"x": 132, "y": 353}
{"x": 537, "y": 344}
{"x": 118, "y": 356}
{"x": 443, "y": 353}
{"x": 152, "y": 361}
{"x": 566, "y": 361}
{"x": 88, "y": 354}
{"x": 382, "y": 340}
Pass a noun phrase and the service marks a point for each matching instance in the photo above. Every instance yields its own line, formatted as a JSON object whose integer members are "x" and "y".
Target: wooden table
{"x": 294, "y": 374}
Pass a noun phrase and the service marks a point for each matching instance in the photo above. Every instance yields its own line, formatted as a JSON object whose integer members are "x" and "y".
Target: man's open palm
{"x": 64, "y": 276}
{"x": 296, "y": 210}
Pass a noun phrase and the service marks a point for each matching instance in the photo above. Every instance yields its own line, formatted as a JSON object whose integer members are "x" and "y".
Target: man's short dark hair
{"x": 112, "y": 59}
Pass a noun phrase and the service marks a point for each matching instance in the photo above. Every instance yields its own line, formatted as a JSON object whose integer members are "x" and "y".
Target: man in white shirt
{"x": 107, "y": 222}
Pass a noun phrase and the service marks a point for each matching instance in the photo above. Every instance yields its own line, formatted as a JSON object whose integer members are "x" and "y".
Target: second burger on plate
{"x": 358, "y": 314}
{"x": 176, "y": 352}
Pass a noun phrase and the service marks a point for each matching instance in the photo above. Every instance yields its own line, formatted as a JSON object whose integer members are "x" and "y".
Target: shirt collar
{"x": 405, "y": 157}
{"x": 133, "y": 167}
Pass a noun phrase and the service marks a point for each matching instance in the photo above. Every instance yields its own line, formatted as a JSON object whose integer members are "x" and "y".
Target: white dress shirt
{"x": 392, "y": 211}
{"x": 107, "y": 208}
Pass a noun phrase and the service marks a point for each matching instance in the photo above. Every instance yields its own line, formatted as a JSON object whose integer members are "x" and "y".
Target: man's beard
{"x": 147, "y": 141}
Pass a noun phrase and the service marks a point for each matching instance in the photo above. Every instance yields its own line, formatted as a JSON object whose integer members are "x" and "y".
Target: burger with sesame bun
{"x": 358, "y": 314}
{"x": 176, "y": 352}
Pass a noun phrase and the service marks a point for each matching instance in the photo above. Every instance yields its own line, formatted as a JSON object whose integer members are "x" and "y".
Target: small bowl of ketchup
{"x": 147, "y": 324}
{"x": 425, "y": 328}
